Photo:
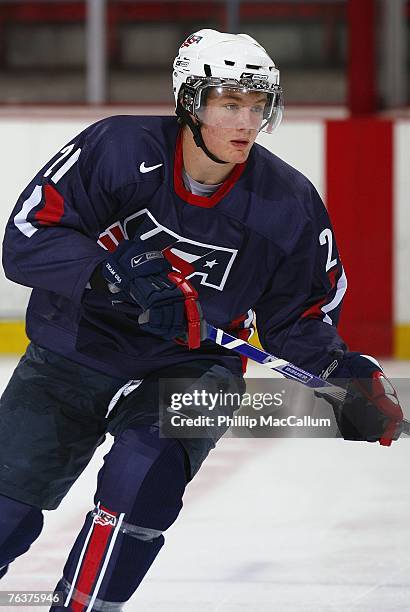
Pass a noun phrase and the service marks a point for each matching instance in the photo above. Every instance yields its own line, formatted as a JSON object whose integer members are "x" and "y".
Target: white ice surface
{"x": 267, "y": 526}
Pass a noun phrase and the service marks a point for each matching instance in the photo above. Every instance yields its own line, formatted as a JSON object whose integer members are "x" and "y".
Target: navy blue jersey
{"x": 263, "y": 242}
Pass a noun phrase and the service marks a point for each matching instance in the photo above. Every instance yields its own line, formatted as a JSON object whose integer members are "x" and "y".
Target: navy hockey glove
{"x": 146, "y": 279}
{"x": 371, "y": 411}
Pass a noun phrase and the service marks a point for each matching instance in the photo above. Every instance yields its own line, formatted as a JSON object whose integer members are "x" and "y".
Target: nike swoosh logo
{"x": 144, "y": 168}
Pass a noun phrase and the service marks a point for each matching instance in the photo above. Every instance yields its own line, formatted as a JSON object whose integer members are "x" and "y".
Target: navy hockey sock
{"x": 20, "y": 525}
{"x": 138, "y": 497}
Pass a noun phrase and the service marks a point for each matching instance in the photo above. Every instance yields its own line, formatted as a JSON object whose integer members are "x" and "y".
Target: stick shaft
{"x": 266, "y": 359}
{"x": 287, "y": 369}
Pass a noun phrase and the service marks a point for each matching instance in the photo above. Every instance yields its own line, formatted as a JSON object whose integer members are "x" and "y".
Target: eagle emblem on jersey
{"x": 210, "y": 262}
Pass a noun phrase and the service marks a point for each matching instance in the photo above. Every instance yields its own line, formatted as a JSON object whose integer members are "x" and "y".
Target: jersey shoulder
{"x": 276, "y": 179}
{"x": 127, "y": 126}
{"x": 116, "y": 147}
{"x": 284, "y": 201}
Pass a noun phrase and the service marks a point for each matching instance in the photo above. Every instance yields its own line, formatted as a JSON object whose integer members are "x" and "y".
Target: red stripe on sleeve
{"x": 315, "y": 311}
{"x": 53, "y": 208}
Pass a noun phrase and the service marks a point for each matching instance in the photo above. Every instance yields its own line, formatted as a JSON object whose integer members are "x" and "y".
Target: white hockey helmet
{"x": 209, "y": 60}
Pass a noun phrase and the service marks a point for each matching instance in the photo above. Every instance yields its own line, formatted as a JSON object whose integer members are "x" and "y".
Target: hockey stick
{"x": 287, "y": 369}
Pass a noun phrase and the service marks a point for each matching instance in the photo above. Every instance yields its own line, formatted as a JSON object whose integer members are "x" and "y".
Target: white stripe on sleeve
{"x": 340, "y": 291}
{"x": 20, "y": 220}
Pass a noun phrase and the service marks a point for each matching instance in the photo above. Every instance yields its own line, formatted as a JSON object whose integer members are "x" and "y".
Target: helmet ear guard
{"x": 186, "y": 98}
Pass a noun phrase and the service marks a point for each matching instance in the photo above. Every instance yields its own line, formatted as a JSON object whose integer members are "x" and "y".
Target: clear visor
{"x": 239, "y": 107}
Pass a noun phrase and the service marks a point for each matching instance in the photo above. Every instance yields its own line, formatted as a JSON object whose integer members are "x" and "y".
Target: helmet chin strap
{"x": 196, "y": 131}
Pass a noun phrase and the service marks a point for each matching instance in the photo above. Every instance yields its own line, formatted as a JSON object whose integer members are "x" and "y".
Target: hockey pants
{"x": 139, "y": 495}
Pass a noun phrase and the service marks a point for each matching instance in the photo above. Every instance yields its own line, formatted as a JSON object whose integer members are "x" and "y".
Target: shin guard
{"x": 139, "y": 496}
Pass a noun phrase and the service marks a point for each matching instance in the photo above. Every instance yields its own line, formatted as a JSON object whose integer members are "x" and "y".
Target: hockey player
{"x": 121, "y": 235}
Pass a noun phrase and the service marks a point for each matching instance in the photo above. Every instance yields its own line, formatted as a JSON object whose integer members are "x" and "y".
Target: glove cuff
{"x": 351, "y": 364}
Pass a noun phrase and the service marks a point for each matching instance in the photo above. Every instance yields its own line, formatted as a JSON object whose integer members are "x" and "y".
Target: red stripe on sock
{"x": 93, "y": 560}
